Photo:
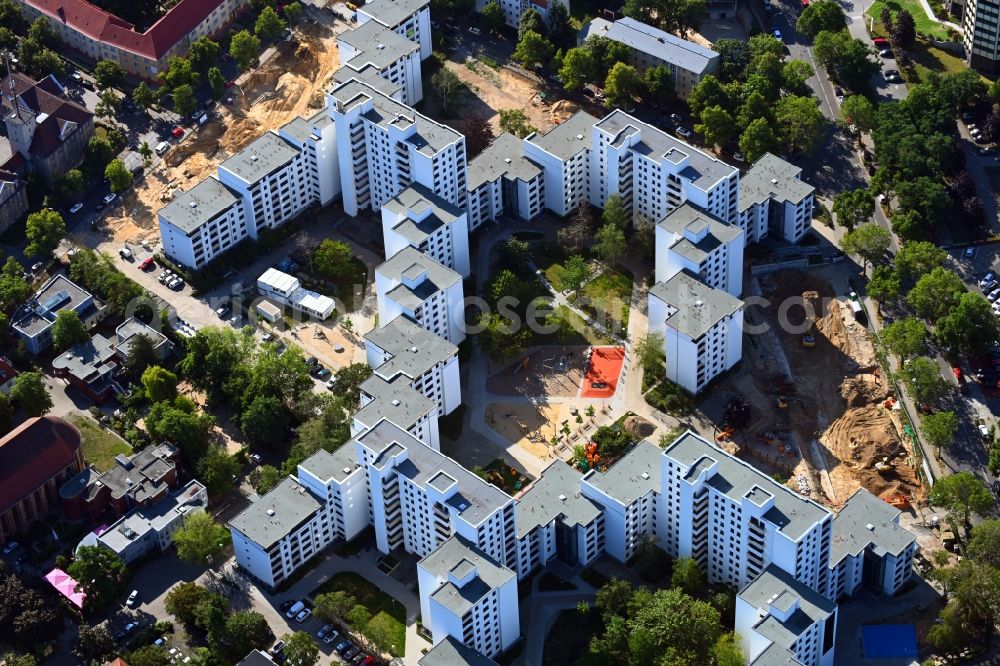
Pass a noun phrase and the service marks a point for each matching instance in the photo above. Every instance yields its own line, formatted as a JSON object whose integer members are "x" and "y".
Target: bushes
{"x": 670, "y": 398}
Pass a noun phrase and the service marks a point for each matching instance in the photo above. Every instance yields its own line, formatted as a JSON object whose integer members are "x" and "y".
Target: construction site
{"x": 810, "y": 404}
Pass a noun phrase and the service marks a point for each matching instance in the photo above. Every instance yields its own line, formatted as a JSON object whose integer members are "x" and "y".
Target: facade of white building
{"x": 782, "y": 621}
{"x": 650, "y": 47}
{"x": 702, "y": 329}
{"x": 425, "y": 361}
{"x": 420, "y": 219}
{"x": 287, "y": 289}
{"x": 384, "y": 146}
{"x": 408, "y": 18}
{"x": 414, "y": 285}
{"x": 202, "y": 223}
{"x": 387, "y": 54}
{"x": 563, "y": 153}
{"x": 513, "y": 9}
{"x": 396, "y": 400}
{"x": 502, "y": 181}
{"x": 774, "y": 201}
{"x": 691, "y": 239}
{"x": 467, "y": 595}
{"x": 869, "y": 548}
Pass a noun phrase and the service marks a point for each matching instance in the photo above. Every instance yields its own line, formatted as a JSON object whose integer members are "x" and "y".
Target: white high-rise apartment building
{"x": 503, "y": 181}
{"x": 512, "y": 9}
{"x": 412, "y": 284}
{"x": 427, "y": 362}
{"x": 702, "y": 329}
{"x": 691, "y": 239}
{"x": 384, "y": 146}
{"x": 421, "y": 498}
{"x": 373, "y": 47}
{"x": 734, "y": 521}
{"x": 563, "y": 153}
{"x": 869, "y": 548}
{"x": 468, "y": 596}
{"x": 555, "y": 520}
{"x": 782, "y": 621}
{"x": 655, "y": 172}
{"x": 202, "y": 223}
{"x": 774, "y": 201}
{"x": 420, "y": 219}
{"x": 408, "y": 18}
{"x": 396, "y": 400}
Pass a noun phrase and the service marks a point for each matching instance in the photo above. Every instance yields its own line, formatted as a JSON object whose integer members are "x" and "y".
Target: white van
{"x": 294, "y": 610}
{"x": 161, "y": 147}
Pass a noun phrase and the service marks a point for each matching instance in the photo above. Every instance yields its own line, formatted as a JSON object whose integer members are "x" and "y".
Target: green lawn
{"x": 923, "y": 22}
{"x": 554, "y": 273}
{"x": 577, "y": 333}
{"x": 100, "y": 446}
{"x": 928, "y": 59}
{"x": 606, "y": 298}
{"x": 375, "y": 600}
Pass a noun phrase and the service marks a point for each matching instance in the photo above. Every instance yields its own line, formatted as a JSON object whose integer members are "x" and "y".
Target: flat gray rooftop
{"x": 567, "y": 138}
{"x": 867, "y": 521}
{"x": 136, "y": 523}
{"x": 450, "y": 652}
{"x": 421, "y": 202}
{"x": 503, "y": 157}
{"x": 393, "y": 12}
{"x": 336, "y": 466}
{"x": 688, "y": 217}
{"x": 776, "y": 586}
{"x": 262, "y": 157}
{"x": 414, "y": 349}
{"x": 702, "y": 170}
{"x": 277, "y": 514}
{"x": 199, "y": 205}
{"x": 633, "y": 476}
{"x": 456, "y": 552}
{"x": 698, "y": 307}
{"x": 656, "y": 43}
{"x": 475, "y": 500}
{"x": 771, "y": 177}
{"x": 368, "y": 75}
{"x": 555, "y": 494}
{"x": 88, "y": 361}
{"x": 793, "y": 514}
{"x": 428, "y": 138}
{"x": 379, "y": 46}
{"x": 394, "y": 400}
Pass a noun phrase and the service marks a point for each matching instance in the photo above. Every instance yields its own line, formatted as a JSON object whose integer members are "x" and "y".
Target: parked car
{"x": 109, "y": 198}
{"x": 987, "y": 287}
{"x": 342, "y": 647}
{"x": 331, "y": 384}
{"x": 147, "y": 264}
{"x": 970, "y": 252}
{"x": 677, "y": 118}
{"x": 10, "y": 548}
{"x": 177, "y": 132}
{"x": 350, "y": 652}
{"x": 885, "y": 53}
{"x": 989, "y": 277}
{"x": 892, "y": 76}
{"x": 176, "y": 283}
{"x": 267, "y": 337}
{"x": 131, "y": 598}
{"x": 475, "y": 31}
{"x": 294, "y": 609}
{"x": 285, "y": 605}
{"x": 684, "y": 131}
{"x": 311, "y": 361}
{"x": 324, "y": 630}
{"x": 303, "y": 615}
{"x": 280, "y": 645}
{"x": 331, "y": 637}
{"x": 75, "y": 208}
{"x": 323, "y": 373}
{"x": 37, "y": 266}
{"x": 125, "y": 254}
{"x": 223, "y": 311}
{"x": 994, "y": 295}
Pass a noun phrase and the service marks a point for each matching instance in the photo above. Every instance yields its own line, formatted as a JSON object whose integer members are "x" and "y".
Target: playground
{"x": 545, "y": 372}
{"x": 603, "y": 371}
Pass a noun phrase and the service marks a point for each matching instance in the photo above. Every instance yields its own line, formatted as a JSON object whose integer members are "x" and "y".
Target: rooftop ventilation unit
{"x": 270, "y": 512}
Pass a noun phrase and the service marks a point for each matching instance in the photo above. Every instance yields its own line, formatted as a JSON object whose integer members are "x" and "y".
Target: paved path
{"x": 539, "y": 612}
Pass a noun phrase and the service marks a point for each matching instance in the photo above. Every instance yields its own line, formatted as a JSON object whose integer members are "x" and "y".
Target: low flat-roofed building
{"x": 287, "y": 289}
{"x": 90, "y": 367}
{"x": 130, "y": 329}
{"x": 33, "y": 321}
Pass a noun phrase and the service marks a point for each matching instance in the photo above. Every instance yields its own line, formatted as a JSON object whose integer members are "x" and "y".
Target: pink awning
{"x": 66, "y": 585}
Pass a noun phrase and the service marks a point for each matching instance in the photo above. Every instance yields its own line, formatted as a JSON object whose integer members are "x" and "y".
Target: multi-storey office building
{"x": 420, "y": 219}
{"x": 372, "y": 46}
{"x": 467, "y": 595}
{"x": 774, "y": 201}
{"x": 627, "y": 492}
{"x": 421, "y": 498}
{"x": 402, "y": 350}
{"x": 563, "y": 153}
{"x": 735, "y": 521}
{"x": 702, "y": 329}
{"x": 782, "y": 621}
{"x": 691, "y": 239}
{"x": 385, "y": 146}
{"x": 650, "y": 47}
{"x": 502, "y": 181}
{"x": 408, "y": 18}
{"x": 869, "y": 548}
{"x": 554, "y": 519}
{"x": 513, "y": 9}
{"x": 412, "y": 284}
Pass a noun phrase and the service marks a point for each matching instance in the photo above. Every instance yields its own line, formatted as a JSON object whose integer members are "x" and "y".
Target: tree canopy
{"x": 199, "y": 538}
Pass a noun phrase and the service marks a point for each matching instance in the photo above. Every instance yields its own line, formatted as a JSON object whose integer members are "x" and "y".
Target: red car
{"x": 229, "y": 84}
{"x": 177, "y": 133}
{"x": 147, "y": 264}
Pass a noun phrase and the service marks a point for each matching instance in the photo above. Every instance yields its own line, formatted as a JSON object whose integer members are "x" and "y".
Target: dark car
{"x": 316, "y": 369}
{"x": 342, "y": 647}
{"x": 285, "y": 605}
{"x": 323, "y": 374}
{"x": 311, "y": 361}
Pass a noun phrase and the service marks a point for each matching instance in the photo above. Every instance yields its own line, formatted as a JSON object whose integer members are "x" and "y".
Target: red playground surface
{"x": 603, "y": 370}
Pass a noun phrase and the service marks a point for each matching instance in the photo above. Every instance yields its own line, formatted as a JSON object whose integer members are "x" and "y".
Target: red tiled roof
{"x": 33, "y": 453}
{"x": 46, "y": 97}
{"x": 101, "y": 26}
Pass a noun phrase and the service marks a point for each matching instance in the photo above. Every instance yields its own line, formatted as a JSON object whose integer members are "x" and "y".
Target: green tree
{"x": 45, "y": 230}
{"x": 244, "y": 632}
{"x": 30, "y": 394}
{"x": 149, "y": 655}
{"x": 445, "y": 83}
{"x": 216, "y": 81}
{"x": 857, "y": 110}
{"x": 649, "y": 350}
{"x": 381, "y": 633}
{"x": 794, "y": 74}
{"x": 916, "y": 258}
{"x": 801, "y": 122}
{"x": 575, "y": 273}
{"x": 727, "y": 651}
{"x": 707, "y": 93}
{"x": 6, "y": 414}
{"x": 735, "y": 58}
{"x": 108, "y": 74}
{"x": 69, "y": 185}
{"x": 853, "y": 207}
{"x": 500, "y": 338}
{"x": 141, "y": 354}
{"x": 757, "y": 139}
{"x": 622, "y": 86}
{"x": 264, "y": 478}
{"x": 561, "y": 29}
{"x": 939, "y": 429}
{"x": 614, "y": 212}
{"x": 936, "y": 293}
{"x": 182, "y": 601}
{"x": 906, "y": 337}
{"x": 869, "y": 241}
{"x": 96, "y": 155}
{"x": 846, "y": 59}
{"x": 108, "y": 105}
{"x": 217, "y": 470}
{"x": 492, "y": 16}
{"x": 93, "y": 644}
{"x": 516, "y": 122}
{"x": 819, "y": 16}
{"x": 984, "y": 546}
{"x": 101, "y": 574}
{"x": 333, "y": 606}
{"x": 904, "y": 30}
{"x": 923, "y": 378}
{"x": 530, "y": 20}
{"x": 184, "y": 100}
{"x": 358, "y": 617}
{"x": 533, "y": 49}
{"x": 961, "y": 495}
{"x": 970, "y": 327}
{"x": 14, "y": 289}
{"x": 659, "y": 84}
{"x": 118, "y": 175}
{"x": 333, "y": 259}
{"x": 263, "y": 423}
{"x": 177, "y": 422}
{"x": 268, "y": 25}
{"x": 687, "y": 577}
{"x": 160, "y": 383}
{"x": 178, "y": 73}
{"x": 202, "y": 53}
{"x": 244, "y": 47}
{"x": 210, "y": 615}
{"x": 293, "y": 12}
{"x": 68, "y": 330}
{"x": 347, "y": 381}
{"x": 143, "y": 97}
{"x": 199, "y": 538}
{"x": 578, "y": 68}
{"x": 716, "y": 126}
{"x": 610, "y": 245}
{"x": 301, "y": 649}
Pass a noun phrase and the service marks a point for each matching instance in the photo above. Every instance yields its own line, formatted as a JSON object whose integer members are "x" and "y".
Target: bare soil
{"x": 541, "y": 373}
